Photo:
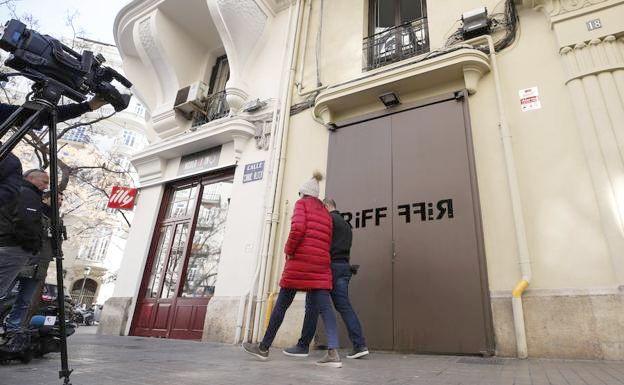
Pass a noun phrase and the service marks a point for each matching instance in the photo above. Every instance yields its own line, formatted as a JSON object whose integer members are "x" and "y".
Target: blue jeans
{"x": 319, "y": 300}
{"x": 26, "y": 290}
{"x": 341, "y": 272}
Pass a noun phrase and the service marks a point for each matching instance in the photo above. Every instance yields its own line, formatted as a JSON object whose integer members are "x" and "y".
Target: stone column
{"x": 595, "y": 81}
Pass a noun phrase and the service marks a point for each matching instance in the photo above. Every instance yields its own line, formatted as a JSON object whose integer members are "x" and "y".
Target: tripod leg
{"x": 7, "y": 124}
{"x": 57, "y": 253}
{"x": 21, "y": 132}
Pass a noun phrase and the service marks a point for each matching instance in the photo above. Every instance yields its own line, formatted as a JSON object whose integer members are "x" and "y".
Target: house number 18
{"x": 593, "y": 24}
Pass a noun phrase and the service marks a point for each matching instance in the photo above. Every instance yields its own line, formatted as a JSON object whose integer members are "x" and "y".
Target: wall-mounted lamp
{"x": 390, "y": 99}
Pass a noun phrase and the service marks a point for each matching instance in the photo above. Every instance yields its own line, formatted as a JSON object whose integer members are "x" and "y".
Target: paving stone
{"x": 106, "y": 360}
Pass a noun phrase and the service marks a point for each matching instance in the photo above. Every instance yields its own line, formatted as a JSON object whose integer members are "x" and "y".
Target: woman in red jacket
{"x": 308, "y": 268}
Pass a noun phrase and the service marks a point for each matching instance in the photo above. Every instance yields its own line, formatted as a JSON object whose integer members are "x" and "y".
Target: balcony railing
{"x": 215, "y": 107}
{"x": 396, "y": 44}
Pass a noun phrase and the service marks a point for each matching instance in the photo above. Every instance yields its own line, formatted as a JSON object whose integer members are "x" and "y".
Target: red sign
{"x": 122, "y": 198}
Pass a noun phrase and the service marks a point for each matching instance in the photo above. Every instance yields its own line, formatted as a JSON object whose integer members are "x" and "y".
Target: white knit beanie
{"x": 311, "y": 187}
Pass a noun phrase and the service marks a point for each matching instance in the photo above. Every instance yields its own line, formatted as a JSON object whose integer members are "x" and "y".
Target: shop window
{"x": 397, "y": 31}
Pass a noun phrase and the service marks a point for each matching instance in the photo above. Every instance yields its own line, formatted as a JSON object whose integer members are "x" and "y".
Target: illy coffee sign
{"x": 122, "y": 198}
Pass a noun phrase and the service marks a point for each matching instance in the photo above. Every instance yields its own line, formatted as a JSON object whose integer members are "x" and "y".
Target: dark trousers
{"x": 12, "y": 261}
{"x": 340, "y": 296}
{"x": 321, "y": 303}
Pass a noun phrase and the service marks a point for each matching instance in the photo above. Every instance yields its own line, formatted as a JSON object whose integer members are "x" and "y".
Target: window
{"x": 216, "y": 105}
{"x": 392, "y": 13}
{"x": 95, "y": 249}
{"x": 77, "y": 134}
{"x": 128, "y": 138}
{"x": 398, "y": 30}
{"x": 139, "y": 110}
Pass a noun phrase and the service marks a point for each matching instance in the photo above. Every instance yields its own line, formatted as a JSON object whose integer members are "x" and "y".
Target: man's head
{"x": 330, "y": 204}
{"x": 38, "y": 178}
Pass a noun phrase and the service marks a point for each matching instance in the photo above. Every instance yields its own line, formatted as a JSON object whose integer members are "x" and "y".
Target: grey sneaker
{"x": 296, "y": 351}
{"x": 254, "y": 350}
{"x": 358, "y": 352}
{"x": 331, "y": 359}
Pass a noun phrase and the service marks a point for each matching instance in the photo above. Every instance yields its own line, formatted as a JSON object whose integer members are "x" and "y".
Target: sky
{"x": 95, "y": 17}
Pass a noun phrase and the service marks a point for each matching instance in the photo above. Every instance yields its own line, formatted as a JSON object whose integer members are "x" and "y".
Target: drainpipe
{"x": 269, "y": 220}
{"x": 277, "y": 175}
{"x": 516, "y": 204}
{"x": 299, "y": 83}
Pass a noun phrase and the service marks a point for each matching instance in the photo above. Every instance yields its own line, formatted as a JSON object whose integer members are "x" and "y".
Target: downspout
{"x": 267, "y": 256}
{"x": 299, "y": 83}
{"x": 516, "y": 204}
{"x": 268, "y": 219}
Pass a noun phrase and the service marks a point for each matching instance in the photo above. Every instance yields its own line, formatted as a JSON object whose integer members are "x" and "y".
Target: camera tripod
{"x": 41, "y": 110}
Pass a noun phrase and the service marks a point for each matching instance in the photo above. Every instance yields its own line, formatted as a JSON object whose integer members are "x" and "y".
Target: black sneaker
{"x": 296, "y": 351}
{"x": 331, "y": 359}
{"x": 358, "y": 352}
{"x": 254, "y": 350}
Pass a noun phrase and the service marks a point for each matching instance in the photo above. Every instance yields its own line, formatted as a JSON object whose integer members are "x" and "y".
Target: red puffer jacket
{"x": 308, "y": 244}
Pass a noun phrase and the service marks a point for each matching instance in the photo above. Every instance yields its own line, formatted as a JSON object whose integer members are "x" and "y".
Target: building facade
{"x": 478, "y": 161}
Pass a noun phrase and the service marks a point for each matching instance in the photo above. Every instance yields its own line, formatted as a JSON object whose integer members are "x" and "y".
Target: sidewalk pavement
{"x": 105, "y": 360}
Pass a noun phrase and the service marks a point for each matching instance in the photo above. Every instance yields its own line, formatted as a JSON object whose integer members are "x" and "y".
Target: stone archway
{"x": 84, "y": 290}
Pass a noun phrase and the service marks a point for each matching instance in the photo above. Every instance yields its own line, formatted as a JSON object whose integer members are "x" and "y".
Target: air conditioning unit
{"x": 191, "y": 98}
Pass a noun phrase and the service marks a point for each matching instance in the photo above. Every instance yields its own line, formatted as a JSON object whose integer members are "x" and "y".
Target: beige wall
{"x": 566, "y": 241}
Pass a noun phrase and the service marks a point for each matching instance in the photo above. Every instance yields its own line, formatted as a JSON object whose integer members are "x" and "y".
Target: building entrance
{"x": 406, "y": 182}
{"x": 181, "y": 270}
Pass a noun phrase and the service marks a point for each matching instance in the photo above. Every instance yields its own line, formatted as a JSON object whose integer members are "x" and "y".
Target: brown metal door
{"x": 439, "y": 281}
{"x": 408, "y": 185}
{"x": 359, "y": 179}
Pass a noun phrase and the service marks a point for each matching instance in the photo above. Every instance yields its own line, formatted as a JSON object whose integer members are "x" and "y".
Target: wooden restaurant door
{"x": 181, "y": 269}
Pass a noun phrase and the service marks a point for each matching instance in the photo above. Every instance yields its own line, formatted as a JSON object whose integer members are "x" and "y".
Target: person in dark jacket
{"x": 21, "y": 236}
{"x": 341, "y": 272}
{"x": 31, "y": 279}
{"x": 307, "y": 269}
{"x": 21, "y": 228}
{"x": 11, "y": 167}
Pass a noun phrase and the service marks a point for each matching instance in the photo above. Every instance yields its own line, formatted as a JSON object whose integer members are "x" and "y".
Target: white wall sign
{"x": 529, "y": 99}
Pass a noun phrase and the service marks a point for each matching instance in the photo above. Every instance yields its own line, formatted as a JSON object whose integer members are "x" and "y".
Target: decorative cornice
{"x": 559, "y": 7}
{"x": 204, "y": 137}
{"x": 597, "y": 56}
{"x": 340, "y": 102}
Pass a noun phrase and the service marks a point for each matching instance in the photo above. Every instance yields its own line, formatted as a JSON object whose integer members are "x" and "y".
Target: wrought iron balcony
{"x": 396, "y": 44}
{"x": 216, "y": 107}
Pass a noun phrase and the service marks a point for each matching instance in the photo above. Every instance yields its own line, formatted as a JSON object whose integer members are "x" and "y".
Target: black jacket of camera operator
{"x": 21, "y": 220}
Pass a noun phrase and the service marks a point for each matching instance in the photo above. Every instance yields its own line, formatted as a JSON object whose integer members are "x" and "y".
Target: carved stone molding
{"x": 597, "y": 56}
{"x": 558, "y": 7}
{"x": 342, "y": 102}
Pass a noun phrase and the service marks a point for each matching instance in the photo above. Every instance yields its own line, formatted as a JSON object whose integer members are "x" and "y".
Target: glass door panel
{"x": 201, "y": 273}
{"x": 164, "y": 240}
{"x": 176, "y": 259}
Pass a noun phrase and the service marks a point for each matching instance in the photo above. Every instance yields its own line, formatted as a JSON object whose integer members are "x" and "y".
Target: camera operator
{"x": 11, "y": 167}
{"x": 21, "y": 224}
{"x": 31, "y": 279}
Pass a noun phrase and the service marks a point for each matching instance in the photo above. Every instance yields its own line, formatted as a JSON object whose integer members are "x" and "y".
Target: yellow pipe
{"x": 520, "y": 288}
{"x": 269, "y": 309}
